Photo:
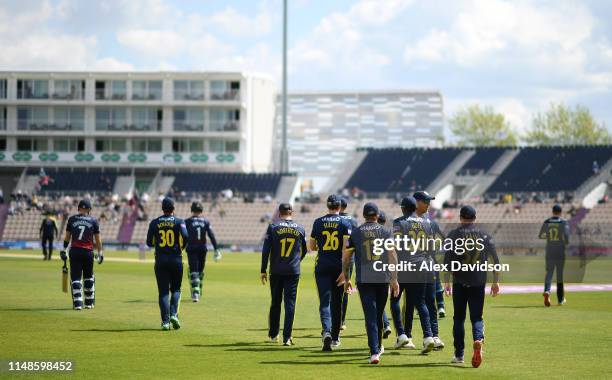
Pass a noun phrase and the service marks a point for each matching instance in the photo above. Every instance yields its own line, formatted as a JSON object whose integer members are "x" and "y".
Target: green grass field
{"x": 224, "y": 335}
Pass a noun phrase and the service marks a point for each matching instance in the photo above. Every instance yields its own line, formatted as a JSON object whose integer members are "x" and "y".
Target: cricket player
{"x": 197, "y": 229}
{"x": 285, "y": 248}
{"x": 48, "y": 231}
{"x": 328, "y": 236}
{"x": 373, "y": 284}
{"x": 382, "y": 220}
{"x": 168, "y": 235}
{"x": 556, "y": 232}
{"x": 81, "y": 232}
{"x": 468, "y": 288}
{"x": 353, "y": 223}
{"x": 414, "y": 284}
{"x": 423, "y": 198}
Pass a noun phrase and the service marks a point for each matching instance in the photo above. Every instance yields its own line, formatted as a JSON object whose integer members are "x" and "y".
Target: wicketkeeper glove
{"x": 217, "y": 255}
{"x": 100, "y": 257}
{"x": 63, "y": 255}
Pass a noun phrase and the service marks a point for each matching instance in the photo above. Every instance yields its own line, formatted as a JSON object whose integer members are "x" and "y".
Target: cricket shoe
{"x": 477, "y": 356}
{"x": 546, "y": 298}
{"x": 387, "y": 332}
{"x": 382, "y": 350}
{"x": 327, "y": 342}
{"x": 562, "y": 302}
{"x": 428, "y": 345}
{"x": 176, "y": 324}
{"x": 438, "y": 343}
{"x": 89, "y": 306}
{"x": 78, "y": 308}
{"x": 335, "y": 343}
{"x": 273, "y": 339}
{"x": 343, "y": 326}
{"x": 441, "y": 313}
{"x": 165, "y": 326}
{"x": 195, "y": 297}
{"x": 457, "y": 360}
{"x": 288, "y": 342}
{"x": 374, "y": 359}
{"x": 401, "y": 341}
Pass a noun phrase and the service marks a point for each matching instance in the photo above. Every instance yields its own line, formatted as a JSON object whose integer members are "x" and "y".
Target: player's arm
{"x": 446, "y": 278}
{"x": 98, "y": 240}
{"x": 55, "y": 230}
{"x": 304, "y": 247}
{"x": 394, "y": 285}
{"x": 184, "y": 235}
{"x": 312, "y": 243}
{"x": 40, "y": 230}
{"x": 492, "y": 252}
{"x": 566, "y": 233}
{"x": 66, "y": 243}
{"x": 211, "y": 236}
{"x": 347, "y": 254}
{"x": 151, "y": 235}
{"x": 265, "y": 255}
{"x": 543, "y": 230}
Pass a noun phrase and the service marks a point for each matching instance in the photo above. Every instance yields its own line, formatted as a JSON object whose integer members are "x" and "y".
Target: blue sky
{"x": 517, "y": 56}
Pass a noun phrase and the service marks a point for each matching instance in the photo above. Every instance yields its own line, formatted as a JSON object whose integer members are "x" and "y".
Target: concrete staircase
{"x": 484, "y": 181}
{"x": 345, "y": 173}
{"x": 3, "y": 216}
{"x": 287, "y": 188}
{"x": 126, "y": 230}
{"x": 448, "y": 175}
{"x": 124, "y": 185}
{"x": 603, "y": 176}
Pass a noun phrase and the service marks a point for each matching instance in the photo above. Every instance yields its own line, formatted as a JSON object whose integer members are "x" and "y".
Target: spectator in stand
{"x": 267, "y": 198}
{"x": 595, "y": 167}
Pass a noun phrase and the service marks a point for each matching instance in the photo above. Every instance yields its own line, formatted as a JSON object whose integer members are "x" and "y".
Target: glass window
{"x": 216, "y": 146}
{"x": 3, "y": 91}
{"x": 139, "y": 89}
{"x": 102, "y": 119}
{"x": 155, "y": 90}
{"x": 154, "y": 145}
{"x": 181, "y": 89}
{"x": 41, "y": 89}
{"x": 197, "y": 90}
{"x": 36, "y": 144}
{"x": 196, "y": 145}
{"x": 139, "y": 145}
{"x": 3, "y": 144}
{"x": 178, "y": 145}
{"x": 232, "y": 146}
{"x": 119, "y": 89}
{"x": 118, "y": 145}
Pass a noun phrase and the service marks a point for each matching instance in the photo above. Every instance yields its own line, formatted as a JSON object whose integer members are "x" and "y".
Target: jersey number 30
{"x": 166, "y": 238}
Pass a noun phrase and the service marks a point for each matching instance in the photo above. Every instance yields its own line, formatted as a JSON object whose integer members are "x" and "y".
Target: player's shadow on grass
{"x": 249, "y": 346}
{"x": 294, "y": 329}
{"x": 140, "y": 301}
{"x": 353, "y": 361}
{"x": 517, "y": 306}
{"x": 420, "y": 365}
{"x": 115, "y": 330}
{"x": 38, "y": 309}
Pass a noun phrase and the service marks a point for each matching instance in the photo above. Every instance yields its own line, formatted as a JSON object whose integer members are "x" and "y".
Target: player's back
{"x": 197, "y": 227}
{"x": 286, "y": 242}
{"x": 556, "y": 232}
{"x": 362, "y": 240}
{"x": 329, "y": 232}
{"x": 82, "y": 229}
{"x": 166, "y": 235}
{"x": 481, "y": 249}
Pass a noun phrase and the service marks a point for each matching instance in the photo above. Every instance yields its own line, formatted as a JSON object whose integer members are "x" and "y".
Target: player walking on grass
{"x": 168, "y": 235}
{"x": 382, "y": 220}
{"x": 81, "y": 232}
{"x": 413, "y": 284}
{"x": 197, "y": 229}
{"x": 556, "y": 232}
{"x": 423, "y": 198}
{"x": 373, "y": 285}
{"x": 468, "y": 288}
{"x": 48, "y": 231}
{"x": 284, "y": 247}
{"x": 353, "y": 223}
{"x": 328, "y": 237}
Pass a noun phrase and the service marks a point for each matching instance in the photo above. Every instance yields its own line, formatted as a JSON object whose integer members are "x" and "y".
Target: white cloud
{"x": 232, "y": 22}
{"x": 153, "y": 43}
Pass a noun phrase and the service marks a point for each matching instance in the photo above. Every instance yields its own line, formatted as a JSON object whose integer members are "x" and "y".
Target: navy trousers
{"x": 169, "y": 275}
{"x": 465, "y": 297}
{"x": 330, "y": 301}
{"x": 373, "y": 301}
{"x": 82, "y": 276}
{"x": 196, "y": 257}
{"x": 47, "y": 246}
{"x": 345, "y": 297}
{"x": 555, "y": 262}
{"x": 416, "y": 298}
{"x": 430, "y": 302}
{"x": 282, "y": 288}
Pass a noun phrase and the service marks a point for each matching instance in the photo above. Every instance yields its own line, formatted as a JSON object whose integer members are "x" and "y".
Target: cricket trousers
{"x": 414, "y": 299}
{"x": 345, "y": 297}
{"x": 196, "y": 257}
{"x": 82, "y": 277}
{"x": 47, "y": 246}
{"x": 464, "y": 298}
{"x": 282, "y": 288}
{"x": 330, "y": 301}
{"x": 555, "y": 262}
{"x": 169, "y": 275}
{"x": 373, "y": 301}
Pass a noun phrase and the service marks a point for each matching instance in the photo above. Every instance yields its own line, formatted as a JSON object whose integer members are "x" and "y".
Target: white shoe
{"x": 335, "y": 343}
{"x": 343, "y": 327}
{"x": 457, "y": 360}
{"x": 273, "y": 339}
{"x": 386, "y": 332}
{"x": 195, "y": 298}
{"x": 382, "y": 350}
{"x": 89, "y": 306}
{"x": 78, "y": 308}
{"x": 288, "y": 342}
{"x": 428, "y": 345}
{"x": 438, "y": 343}
{"x": 562, "y": 302}
{"x": 441, "y": 313}
{"x": 375, "y": 359}
{"x": 410, "y": 345}
{"x": 401, "y": 341}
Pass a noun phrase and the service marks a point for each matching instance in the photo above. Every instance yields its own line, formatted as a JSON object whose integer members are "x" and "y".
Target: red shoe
{"x": 477, "y": 357}
{"x": 546, "y": 299}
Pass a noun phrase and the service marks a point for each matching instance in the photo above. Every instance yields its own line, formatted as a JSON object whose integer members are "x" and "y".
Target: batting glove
{"x": 217, "y": 255}
{"x": 63, "y": 255}
{"x": 100, "y": 257}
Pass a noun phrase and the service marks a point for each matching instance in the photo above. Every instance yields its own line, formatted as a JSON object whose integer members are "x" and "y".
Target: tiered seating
{"x": 550, "y": 169}
{"x": 482, "y": 160}
{"x": 392, "y": 170}
{"x": 78, "y": 180}
{"x": 215, "y": 182}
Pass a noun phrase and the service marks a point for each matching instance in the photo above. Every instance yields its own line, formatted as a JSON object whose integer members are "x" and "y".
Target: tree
{"x": 476, "y": 126}
{"x": 561, "y": 125}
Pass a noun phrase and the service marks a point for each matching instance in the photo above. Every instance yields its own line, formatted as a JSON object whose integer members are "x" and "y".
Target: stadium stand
{"x": 482, "y": 160}
{"x": 74, "y": 180}
{"x": 394, "y": 169}
{"x": 550, "y": 169}
{"x": 212, "y": 183}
